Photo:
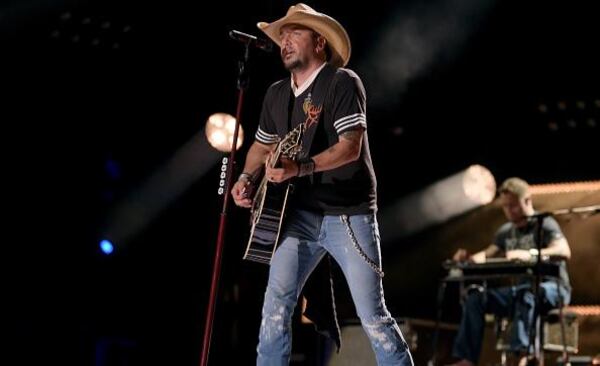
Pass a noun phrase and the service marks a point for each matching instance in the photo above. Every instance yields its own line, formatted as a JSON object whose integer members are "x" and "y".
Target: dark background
{"x": 98, "y": 94}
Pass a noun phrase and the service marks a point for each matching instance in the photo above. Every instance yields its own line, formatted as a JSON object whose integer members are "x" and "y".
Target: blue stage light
{"x": 106, "y": 246}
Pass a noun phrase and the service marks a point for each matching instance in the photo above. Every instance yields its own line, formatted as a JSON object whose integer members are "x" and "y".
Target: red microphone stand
{"x": 242, "y": 85}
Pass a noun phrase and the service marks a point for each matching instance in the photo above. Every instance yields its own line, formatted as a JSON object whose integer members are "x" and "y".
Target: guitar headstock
{"x": 291, "y": 144}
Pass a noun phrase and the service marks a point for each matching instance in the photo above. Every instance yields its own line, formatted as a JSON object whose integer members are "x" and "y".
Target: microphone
{"x": 249, "y": 39}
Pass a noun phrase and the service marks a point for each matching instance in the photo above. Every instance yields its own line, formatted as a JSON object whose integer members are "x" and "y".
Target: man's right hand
{"x": 239, "y": 192}
{"x": 461, "y": 255}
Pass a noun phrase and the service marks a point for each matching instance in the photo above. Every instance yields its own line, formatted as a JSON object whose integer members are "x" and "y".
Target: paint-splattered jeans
{"x": 306, "y": 239}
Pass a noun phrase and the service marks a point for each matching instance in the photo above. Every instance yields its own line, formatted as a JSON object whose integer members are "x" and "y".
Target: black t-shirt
{"x": 510, "y": 237}
{"x": 349, "y": 189}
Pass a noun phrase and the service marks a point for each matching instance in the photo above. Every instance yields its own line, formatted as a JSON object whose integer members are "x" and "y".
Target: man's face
{"x": 297, "y": 46}
{"x": 516, "y": 209}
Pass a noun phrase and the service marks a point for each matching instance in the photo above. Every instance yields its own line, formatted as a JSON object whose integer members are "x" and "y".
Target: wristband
{"x": 246, "y": 176}
{"x": 305, "y": 167}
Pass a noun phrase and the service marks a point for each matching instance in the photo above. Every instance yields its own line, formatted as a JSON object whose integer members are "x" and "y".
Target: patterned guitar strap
{"x": 313, "y": 106}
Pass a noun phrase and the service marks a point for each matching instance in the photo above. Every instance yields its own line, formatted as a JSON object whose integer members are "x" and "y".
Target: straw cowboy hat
{"x": 334, "y": 33}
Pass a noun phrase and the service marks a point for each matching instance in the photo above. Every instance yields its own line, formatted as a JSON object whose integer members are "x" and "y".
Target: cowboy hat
{"x": 334, "y": 33}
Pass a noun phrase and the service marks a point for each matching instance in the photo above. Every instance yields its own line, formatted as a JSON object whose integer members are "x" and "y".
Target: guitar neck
{"x": 275, "y": 157}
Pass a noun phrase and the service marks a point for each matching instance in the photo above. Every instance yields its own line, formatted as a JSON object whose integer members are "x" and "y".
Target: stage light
{"x": 561, "y": 105}
{"x": 439, "y": 202}
{"x": 219, "y": 132}
{"x": 106, "y": 247}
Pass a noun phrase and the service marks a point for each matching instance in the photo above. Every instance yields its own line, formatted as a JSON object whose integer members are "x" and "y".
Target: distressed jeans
{"x": 306, "y": 239}
{"x": 516, "y": 302}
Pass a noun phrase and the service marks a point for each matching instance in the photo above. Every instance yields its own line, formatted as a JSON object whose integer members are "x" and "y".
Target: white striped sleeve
{"x": 350, "y": 122}
{"x": 266, "y": 138}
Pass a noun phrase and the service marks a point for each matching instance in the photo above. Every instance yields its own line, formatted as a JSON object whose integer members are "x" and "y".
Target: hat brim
{"x": 334, "y": 33}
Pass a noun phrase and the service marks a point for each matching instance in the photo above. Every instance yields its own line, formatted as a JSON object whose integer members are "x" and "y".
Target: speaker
{"x": 356, "y": 347}
{"x": 553, "y": 340}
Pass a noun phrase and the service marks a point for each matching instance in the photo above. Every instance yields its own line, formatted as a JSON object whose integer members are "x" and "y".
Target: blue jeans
{"x": 306, "y": 239}
{"x": 516, "y": 302}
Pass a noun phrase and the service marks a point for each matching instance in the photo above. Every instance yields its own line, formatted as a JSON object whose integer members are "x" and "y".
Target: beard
{"x": 293, "y": 63}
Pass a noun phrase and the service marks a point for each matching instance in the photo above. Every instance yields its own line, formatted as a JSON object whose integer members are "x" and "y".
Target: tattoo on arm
{"x": 353, "y": 135}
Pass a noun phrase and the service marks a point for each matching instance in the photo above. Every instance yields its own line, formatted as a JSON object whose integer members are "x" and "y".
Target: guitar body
{"x": 269, "y": 202}
{"x": 267, "y": 217}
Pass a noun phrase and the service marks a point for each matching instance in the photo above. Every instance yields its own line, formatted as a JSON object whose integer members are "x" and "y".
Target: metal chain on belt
{"x": 361, "y": 253}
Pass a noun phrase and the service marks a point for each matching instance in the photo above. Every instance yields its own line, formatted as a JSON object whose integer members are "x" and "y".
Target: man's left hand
{"x": 286, "y": 169}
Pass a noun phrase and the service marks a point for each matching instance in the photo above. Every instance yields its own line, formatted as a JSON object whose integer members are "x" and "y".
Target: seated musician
{"x": 515, "y": 240}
